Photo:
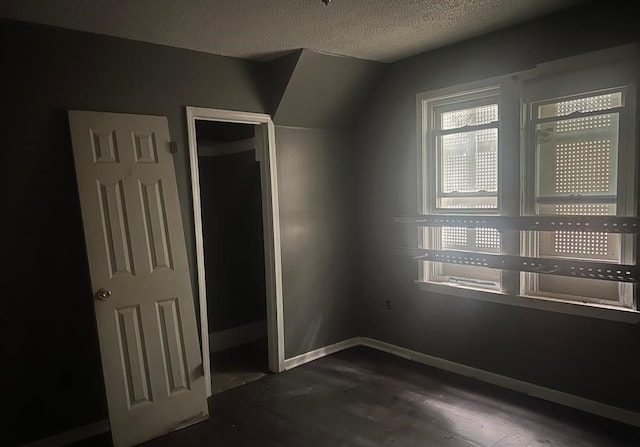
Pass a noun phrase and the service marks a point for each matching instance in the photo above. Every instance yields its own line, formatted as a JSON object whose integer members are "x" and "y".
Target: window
{"x": 570, "y": 135}
{"x": 463, "y": 137}
{"x": 576, "y": 142}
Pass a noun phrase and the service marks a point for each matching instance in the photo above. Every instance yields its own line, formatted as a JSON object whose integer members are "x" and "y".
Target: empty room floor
{"x": 239, "y": 365}
{"x": 363, "y": 397}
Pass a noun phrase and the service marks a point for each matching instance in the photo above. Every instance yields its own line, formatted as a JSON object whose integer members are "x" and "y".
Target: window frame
{"x": 530, "y": 241}
{"x": 444, "y": 103}
{"x": 514, "y": 113}
{"x": 431, "y": 107}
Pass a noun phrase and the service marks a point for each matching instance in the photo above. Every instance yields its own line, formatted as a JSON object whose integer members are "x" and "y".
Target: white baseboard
{"x": 559, "y": 397}
{"x": 71, "y": 436}
{"x": 320, "y": 352}
{"x": 237, "y": 336}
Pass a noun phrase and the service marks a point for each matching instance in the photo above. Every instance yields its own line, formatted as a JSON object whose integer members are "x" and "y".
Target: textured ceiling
{"x": 379, "y": 30}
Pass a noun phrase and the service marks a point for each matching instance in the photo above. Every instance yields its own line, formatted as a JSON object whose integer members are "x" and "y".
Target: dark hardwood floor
{"x": 362, "y": 397}
{"x": 239, "y": 365}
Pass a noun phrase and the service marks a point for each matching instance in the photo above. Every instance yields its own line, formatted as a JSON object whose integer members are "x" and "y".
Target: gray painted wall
{"x": 325, "y": 91}
{"x": 52, "y": 367}
{"x": 49, "y": 319}
{"x": 315, "y": 181}
{"x": 52, "y": 372}
{"x": 333, "y": 244}
{"x": 587, "y": 357}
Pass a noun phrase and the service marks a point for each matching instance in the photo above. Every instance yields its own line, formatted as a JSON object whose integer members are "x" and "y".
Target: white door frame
{"x": 266, "y": 155}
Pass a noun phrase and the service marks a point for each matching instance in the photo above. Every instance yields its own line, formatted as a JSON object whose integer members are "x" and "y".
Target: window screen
{"x": 468, "y": 154}
{"x": 576, "y": 144}
{"x": 569, "y": 129}
{"x": 577, "y": 172}
{"x": 463, "y": 140}
{"x": 577, "y": 159}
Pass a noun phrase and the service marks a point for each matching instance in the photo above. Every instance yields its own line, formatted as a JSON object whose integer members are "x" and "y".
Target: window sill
{"x": 541, "y": 303}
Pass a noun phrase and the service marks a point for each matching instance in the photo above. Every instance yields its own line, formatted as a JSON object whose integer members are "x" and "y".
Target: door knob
{"x": 103, "y": 294}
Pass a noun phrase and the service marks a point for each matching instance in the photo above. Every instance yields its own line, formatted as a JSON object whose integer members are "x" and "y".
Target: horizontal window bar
{"x": 466, "y": 129}
{"x": 561, "y": 267}
{"x": 600, "y": 224}
{"x": 461, "y": 102}
{"x": 578, "y": 198}
{"x": 480, "y": 193}
{"x": 575, "y": 115}
{"x": 466, "y": 211}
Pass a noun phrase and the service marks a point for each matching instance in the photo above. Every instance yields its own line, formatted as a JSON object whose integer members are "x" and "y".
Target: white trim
{"x": 518, "y": 289}
{"x": 265, "y": 144}
{"x": 271, "y": 222}
{"x": 72, "y": 436}
{"x": 197, "y": 221}
{"x": 559, "y": 397}
{"x": 429, "y": 105}
{"x": 600, "y": 311}
{"x": 236, "y": 336}
{"x": 551, "y": 395}
{"x": 321, "y": 352}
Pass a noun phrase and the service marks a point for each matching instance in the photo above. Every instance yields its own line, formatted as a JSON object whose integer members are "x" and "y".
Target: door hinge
{"x": 173, "y": 147}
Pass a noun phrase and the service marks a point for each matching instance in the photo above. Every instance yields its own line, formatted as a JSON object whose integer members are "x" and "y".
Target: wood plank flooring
{"x": 239, "y": 365}
{"x": 362, "y": 397}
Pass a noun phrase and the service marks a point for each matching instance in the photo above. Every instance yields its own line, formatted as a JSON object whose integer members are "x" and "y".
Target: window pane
{"x": 470, "y": 276}
{"x": 590, "y": 104}
{"x": 582, "y": 246}
{"x": 578, "y": 156}
{"x": 469, "y": 117}
{"x": 487, "y": 239}
{"x": 576, "y": 244}
{"x": 580, "y": 209}
{"x": 468, "y": 202}
{"x": 465, "y": 177}
{"x": 579, "y": 288}
{"x": 469, "y": 161}
{"x": 454, "y": 237}
{"x": 583, "y": 167}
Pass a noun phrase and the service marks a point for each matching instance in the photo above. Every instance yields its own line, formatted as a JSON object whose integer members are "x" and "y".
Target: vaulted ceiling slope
{"x": 376, "y": 30}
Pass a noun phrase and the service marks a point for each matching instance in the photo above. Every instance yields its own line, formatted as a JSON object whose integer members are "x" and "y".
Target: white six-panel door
{"x": 137, "y": 257}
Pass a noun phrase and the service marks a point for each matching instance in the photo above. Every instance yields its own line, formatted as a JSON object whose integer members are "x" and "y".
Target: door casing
{"x": 266, "y": 155}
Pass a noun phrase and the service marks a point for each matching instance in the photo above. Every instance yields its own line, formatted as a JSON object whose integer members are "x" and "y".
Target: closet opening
{"x": 237, "y": 245}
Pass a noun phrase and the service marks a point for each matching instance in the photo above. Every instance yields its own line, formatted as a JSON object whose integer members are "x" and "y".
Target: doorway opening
{"x": 232, "y": 158}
